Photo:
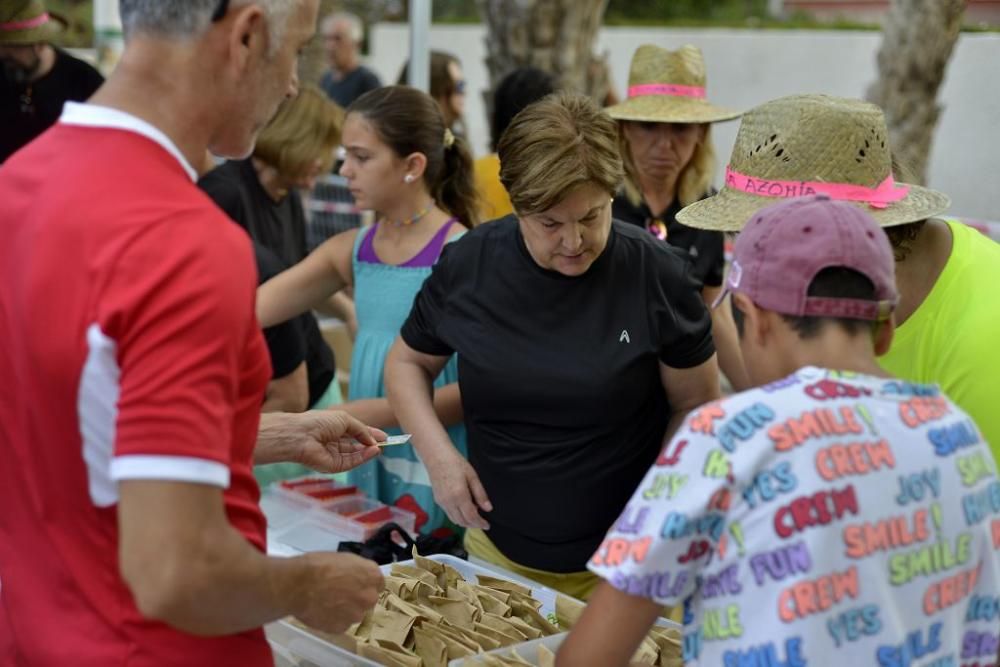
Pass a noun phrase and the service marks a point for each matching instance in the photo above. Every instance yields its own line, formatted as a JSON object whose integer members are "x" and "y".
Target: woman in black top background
{"x": 669, "y": 162}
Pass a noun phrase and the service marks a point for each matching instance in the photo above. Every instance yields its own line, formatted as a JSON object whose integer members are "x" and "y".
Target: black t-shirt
{"x": 705, "y": 249}
{"x": 281, "y": 228}
{"x": 351, "y": 87}
{"x": 27, "y": 110}
{"x": 560, "y": 377}
{"x": 284, "y": 341}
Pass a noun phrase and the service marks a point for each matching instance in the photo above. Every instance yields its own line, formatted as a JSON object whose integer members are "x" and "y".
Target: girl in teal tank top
{"x": 383, "y": 296}
{"x": 402, "y": 163}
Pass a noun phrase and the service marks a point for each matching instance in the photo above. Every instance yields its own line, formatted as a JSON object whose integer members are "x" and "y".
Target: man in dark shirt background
{"x": 36, "y": 78}
{"x": 347, "y": 79}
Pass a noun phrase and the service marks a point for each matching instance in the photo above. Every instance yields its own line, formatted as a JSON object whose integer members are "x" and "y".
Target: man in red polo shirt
{"x": 133, "y": 368}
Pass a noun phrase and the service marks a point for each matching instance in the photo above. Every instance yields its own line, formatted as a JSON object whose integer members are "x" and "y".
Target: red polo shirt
{"x": 130, "y": 350}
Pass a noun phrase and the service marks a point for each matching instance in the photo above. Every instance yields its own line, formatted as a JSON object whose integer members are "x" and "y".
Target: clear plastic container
{"x": 529, "y": 650}
{"x": 317, "y": 651}
{"x": 309, "y": 650}
{"x": 312, "y": 491}
{"x": 357, "y": 518}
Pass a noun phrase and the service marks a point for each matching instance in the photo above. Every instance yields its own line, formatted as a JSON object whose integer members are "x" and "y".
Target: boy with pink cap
{"x": 831, "y": 511}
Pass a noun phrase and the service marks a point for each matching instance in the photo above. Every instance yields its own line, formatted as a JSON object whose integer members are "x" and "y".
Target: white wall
{"x": 746, "y": 68}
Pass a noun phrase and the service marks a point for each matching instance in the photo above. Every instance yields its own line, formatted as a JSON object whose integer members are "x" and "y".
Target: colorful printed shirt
{"x": 825, "y": 514}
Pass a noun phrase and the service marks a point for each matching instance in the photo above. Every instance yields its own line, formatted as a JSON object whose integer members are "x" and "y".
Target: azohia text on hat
{"x": 785, "y": 189}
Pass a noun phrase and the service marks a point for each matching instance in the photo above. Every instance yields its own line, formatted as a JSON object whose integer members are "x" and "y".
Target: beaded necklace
{"x": 412, "y": 219}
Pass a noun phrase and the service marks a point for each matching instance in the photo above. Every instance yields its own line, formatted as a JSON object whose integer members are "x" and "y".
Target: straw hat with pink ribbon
{"x": 668, "y": 87}
{"x": 27, "y": 22}
{"x": 813, "y": 144}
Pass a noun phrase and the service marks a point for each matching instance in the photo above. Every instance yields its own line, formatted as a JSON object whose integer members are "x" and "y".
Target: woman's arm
{"x": 325, "y": 271}
{"x": 688, "y": 388}
{"x": 409, "y": 375}
{"x": 610, "y": 630}
{"x": 289, "y": 393}
{"x": 378, "y": 412}
{"x": 727, "y": 342}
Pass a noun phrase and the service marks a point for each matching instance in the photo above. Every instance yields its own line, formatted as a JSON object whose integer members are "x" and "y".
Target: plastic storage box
{"x": 323, "y": 527}
{"x": 312, "y": 491}
{"x": 319, "y": 652}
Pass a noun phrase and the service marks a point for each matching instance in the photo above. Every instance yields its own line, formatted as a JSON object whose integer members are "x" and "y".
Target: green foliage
{"x": 455, "y": 11}
{"x": 679, "y": 13}
{"x": 625, "y": 11}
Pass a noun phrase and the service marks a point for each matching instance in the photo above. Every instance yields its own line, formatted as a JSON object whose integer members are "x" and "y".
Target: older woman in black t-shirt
{"x": 666, "y": 146}
{"x": 581, "y": 343}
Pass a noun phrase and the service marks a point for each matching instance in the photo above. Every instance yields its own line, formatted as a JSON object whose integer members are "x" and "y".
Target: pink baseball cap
{"x": 779, "y": 252}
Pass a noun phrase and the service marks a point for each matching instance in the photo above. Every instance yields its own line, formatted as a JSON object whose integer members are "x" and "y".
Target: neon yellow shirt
{"x": 953, "y": 338}
{"x": 493, "y": 199}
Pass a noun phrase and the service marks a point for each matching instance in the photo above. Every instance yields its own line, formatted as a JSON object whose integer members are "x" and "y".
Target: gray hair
{"x": 356, "y": 27}
{"x": 190, "y": 18}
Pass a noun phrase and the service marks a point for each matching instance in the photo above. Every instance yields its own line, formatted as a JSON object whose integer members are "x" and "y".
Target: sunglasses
{"x": 460, "y": 87}
{"x": 220, "y": 10}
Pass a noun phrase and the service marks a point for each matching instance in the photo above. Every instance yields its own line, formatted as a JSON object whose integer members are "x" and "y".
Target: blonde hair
{"x": 305, "y": 129}
{"x": 694, "y": 181}
{"x": 554, "y": 146}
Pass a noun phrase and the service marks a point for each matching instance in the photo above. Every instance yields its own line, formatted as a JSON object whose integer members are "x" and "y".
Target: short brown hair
{"x": 556, "y": 145}
{"x": 305, "y": 129}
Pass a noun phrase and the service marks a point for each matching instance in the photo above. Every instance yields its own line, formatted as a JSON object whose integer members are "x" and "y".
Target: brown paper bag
{"x": 546, "y": 658}
{"x": 492, "y": 605}
{"x": 458, "y": 612}
{"x": 568, "y": 611}
{"x": 525, "y": 600}
{"x": 485, "y": 642}
{"x": 396, "y": 603}
{"x": 503, "y": 625}
{"x": 457, "y": 645}
{"x": 362, "y": 630}
{"x": 391, "y": 626}
{"x": 431, "y": 649}
{"x": 526, "y": 629}
{"x": 503, "y": 596}
{"x": 404, "y": 587}
{"x": 502, "y": 585}
{"x": 388, "y": 657}
{"x": 533, "y": 617}
{"x": 468, "y": 593}
{"x": 408, "y": 571}
{"x": 451, "y": 575}
{"x": 502, "y": 638}
{"x": 648, "y": 653}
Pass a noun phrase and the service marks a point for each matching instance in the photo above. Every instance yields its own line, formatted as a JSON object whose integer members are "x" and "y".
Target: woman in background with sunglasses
{"x": 666, "y": 145}
{"x": 447, "y": 88}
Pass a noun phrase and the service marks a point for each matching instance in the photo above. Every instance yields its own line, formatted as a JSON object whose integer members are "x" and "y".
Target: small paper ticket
{"x": 395, "y": 440}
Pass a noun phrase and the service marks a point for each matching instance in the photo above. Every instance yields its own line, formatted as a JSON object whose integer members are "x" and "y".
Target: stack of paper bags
{"x": 429, "y": 614}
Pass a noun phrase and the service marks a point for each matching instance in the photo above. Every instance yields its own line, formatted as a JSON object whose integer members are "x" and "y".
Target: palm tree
{"x": 917, "y": 41}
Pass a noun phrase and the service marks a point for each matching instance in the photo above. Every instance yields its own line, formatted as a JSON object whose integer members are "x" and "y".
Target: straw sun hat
{"x": 668, "y": 87}
{"x": 812, "y": 144}
{"x": 27, "y": 22}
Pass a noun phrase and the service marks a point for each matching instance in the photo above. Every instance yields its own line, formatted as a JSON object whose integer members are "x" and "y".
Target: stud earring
{"x": 408, "y": 178}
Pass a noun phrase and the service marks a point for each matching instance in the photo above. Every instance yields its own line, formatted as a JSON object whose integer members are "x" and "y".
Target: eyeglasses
{"x": 220, "y": 10}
